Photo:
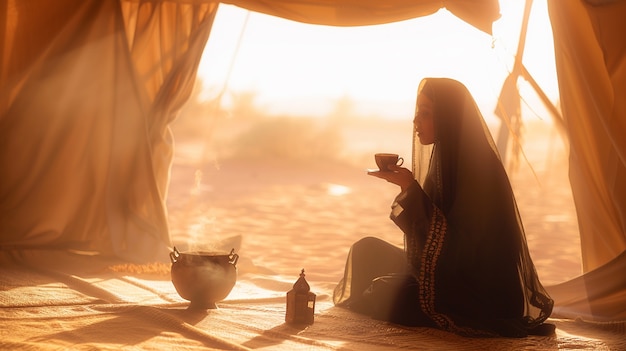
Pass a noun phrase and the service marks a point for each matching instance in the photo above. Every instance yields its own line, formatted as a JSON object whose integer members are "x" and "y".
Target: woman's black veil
{"x": 463, "y": 175}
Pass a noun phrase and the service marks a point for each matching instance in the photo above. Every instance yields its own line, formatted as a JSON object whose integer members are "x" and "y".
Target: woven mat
{"x": 111, "y": 309}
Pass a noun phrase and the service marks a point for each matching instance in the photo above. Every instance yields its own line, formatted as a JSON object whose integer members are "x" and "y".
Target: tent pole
{"x": 511, "y": 113}
{"x": 554, "y": 112}
{"x": 521, "y": 44}
{"x": 520, "y": 70}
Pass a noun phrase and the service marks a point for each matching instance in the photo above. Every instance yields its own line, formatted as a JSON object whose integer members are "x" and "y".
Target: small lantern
{"x": 300, "y": 302}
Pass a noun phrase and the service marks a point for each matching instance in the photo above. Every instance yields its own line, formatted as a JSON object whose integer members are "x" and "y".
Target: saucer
{"x": 375, "y": 170}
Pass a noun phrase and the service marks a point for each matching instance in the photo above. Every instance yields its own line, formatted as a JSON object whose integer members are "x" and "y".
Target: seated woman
{"x": 465, "y": 267}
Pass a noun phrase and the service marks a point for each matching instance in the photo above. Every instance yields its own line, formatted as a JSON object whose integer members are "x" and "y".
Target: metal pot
{"x": 203, "y": 278}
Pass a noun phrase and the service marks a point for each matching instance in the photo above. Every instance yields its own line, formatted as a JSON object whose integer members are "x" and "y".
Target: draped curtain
{"x": 590, "y": 53}
{"x": 479, "y": 13}
{"x": 590, "y": 57}
{"x": 88, "y": 90}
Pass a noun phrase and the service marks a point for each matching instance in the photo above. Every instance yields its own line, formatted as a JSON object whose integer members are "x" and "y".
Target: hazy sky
{"x": 304, "y": 69}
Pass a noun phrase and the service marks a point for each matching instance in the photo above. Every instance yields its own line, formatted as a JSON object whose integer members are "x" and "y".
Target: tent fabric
{"x": 590, "y": 57}
{"x": 479, "y": 13}
{"x": 598, "y": 295}
{"x": 88, "y": 91}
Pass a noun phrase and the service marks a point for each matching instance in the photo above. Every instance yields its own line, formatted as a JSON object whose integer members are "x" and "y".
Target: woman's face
{"x": 423, "y": 122}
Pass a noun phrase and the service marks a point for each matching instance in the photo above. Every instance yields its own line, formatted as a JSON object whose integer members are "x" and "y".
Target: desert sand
{"x": 262, "y": 188}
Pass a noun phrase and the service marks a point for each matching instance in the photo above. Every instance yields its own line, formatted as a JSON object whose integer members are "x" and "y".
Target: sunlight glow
{"x": 303, "y": 69}
{"x": 338, "y": 190}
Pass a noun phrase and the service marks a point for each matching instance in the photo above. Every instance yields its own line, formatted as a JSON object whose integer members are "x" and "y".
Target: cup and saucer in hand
{"x": 384, "y": 160}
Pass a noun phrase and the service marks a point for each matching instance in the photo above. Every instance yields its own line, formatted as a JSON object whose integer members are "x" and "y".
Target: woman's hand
{"x": 396, "y": 175}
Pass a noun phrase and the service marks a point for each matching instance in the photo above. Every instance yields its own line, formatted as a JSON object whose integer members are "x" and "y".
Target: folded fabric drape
{"x": 479, "y": 13}
{"x": 598, "y": 295}
{"x": 591, "y": 59}
{"x": 88, "y": 91}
